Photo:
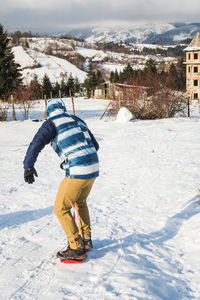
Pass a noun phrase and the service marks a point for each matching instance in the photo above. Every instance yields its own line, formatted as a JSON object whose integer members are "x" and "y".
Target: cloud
{"x": 36, "y": 5}
{"x": 51, "y": 15}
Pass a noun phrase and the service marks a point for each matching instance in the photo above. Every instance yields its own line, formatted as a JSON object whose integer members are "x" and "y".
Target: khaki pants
{"x": 74, "y": 191}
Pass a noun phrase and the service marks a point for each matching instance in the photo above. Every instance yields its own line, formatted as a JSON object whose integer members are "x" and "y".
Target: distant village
{"x": 65, "y": 66}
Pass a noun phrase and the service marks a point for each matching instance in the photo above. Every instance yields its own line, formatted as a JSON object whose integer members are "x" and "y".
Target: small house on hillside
{"x": 109, "y": 90}
{"x": 103, "y": 90}
{"x": 193, "y": 68}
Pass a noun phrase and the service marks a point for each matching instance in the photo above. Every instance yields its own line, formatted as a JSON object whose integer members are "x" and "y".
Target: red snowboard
{"x": 73, "y": 261}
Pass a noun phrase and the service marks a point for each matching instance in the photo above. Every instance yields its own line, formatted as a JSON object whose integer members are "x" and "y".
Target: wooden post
{"x": 119, "y": 102}
{"x": 144, "y": 101}
{"x": 105, "y": 110}
{"x": 13, "y": 108}
{"x": 188, "y": 105}
{"x": 51, "y": 95}
{"x": 45, "y": 103}
{"x": 73, "y": 108}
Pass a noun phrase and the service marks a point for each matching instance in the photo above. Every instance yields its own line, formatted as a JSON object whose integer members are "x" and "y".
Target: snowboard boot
{"x": 87, "y": 243}
{"x": 72, "y": 254}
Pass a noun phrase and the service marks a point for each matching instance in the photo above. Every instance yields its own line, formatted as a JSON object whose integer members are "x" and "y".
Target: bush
{"x": 4, "y": 106}
{"x": 24, "y": 96}
{"x": 147, "y": 103}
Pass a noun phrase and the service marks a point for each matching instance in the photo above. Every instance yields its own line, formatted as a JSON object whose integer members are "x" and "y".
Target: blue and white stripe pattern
{"x": 72, "y": 143}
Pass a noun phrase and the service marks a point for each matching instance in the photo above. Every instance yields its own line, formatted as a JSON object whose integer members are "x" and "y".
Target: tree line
{"x": 68, "y": 86}
{"x": 174, "y": 78}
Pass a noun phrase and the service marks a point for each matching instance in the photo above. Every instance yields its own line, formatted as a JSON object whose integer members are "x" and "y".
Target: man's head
{"x": 55, "y": 107}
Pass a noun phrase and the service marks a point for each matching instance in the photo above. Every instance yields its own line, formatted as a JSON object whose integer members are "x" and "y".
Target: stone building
{"x": 193, "y": 68}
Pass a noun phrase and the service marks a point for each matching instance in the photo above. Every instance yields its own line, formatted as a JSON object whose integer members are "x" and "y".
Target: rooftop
{"x": 195, "y": 43}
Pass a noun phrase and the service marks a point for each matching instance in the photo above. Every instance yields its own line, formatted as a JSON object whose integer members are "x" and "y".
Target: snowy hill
{"x": 53, "y": 66}
{"x": 41, "y": 55}
{"x": 150, "y": 33}
{"x": 145, "y": 209}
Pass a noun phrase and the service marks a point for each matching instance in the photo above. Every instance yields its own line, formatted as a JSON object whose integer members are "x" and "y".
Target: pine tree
{"x": 46, "y": 86}
{"x": 112, "y": 75}
{"x": 150, "y": 68}
{"x": 56, "y": 89}
{"x": 116, "y": 77}
{"x": 99, "y": 77}
{"x": 181, "y": 70}
{"x": 63, "y": 88}
{"x": 128, "y": 72}
{"x": 173, "y": 77}
{"x": 77, "y": 85}
{"x": 90, "y": 81}
{"x": 36, "y": 88}
{"x": 121, "y": 77}
{"x": 10, "y": 76}
{"x": 70, "y": 85}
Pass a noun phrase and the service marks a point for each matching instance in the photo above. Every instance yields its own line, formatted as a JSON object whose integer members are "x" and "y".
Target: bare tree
{"x": 4, "y": 106}
{"x": 24, "y": 96}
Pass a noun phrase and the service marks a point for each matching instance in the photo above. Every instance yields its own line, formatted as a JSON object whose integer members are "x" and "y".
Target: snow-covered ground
{"x": 113, "y": 67}
{"x": 89, "y": 53}
{"x": 144, "y": 207}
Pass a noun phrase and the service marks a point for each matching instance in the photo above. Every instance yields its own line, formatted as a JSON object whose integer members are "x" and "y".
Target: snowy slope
{"x": 23, "y": 58}
{"x": 144, "y": 208}
{"x": 112, "y": 67}
{"x": 91, "y": 52}
{"x": 53, "y": 66}
{"x": 42, "y": 43}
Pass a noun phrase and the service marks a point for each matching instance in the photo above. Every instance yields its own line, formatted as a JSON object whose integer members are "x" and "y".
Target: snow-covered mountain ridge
{"x": 151, "y": 33}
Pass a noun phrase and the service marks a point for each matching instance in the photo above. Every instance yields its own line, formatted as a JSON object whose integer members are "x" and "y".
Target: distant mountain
{"x": 153, "y": 33}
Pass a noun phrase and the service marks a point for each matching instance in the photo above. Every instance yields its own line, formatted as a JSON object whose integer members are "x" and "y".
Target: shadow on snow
{"x": 21, "y": 217}
{"x": 150, "y": 259}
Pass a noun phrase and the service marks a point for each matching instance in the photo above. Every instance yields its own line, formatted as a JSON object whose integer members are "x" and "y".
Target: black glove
{"x": 29, "y": 175}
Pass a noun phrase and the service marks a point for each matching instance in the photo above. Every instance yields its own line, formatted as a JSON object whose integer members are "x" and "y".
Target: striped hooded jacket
{"x": 71, "y": 140}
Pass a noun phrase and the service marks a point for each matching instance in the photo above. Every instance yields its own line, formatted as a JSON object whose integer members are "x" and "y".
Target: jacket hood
{"x": 55, "y": 107}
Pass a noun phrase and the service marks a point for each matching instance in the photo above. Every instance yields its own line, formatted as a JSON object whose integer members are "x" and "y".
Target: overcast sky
{"x": 58, "y": 15}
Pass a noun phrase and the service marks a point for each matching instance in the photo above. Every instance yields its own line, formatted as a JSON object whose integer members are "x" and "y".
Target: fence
{"x": 25, "y": 105}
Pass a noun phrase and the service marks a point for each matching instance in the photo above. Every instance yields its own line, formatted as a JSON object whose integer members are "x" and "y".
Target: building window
{"x": 189, "y": 56}
{"x": 195, "y": 69}
{"x": 195, "y": 95}
{"x": 195, "y": 55}
{"x": 195, "y": 82}
{"x": 188, "y": 69}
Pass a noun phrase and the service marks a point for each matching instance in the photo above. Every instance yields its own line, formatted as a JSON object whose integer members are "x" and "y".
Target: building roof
{"x": 195, "y": 43}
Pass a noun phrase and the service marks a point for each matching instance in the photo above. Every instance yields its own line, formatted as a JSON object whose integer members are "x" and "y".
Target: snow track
{"x": 144, "y": 208}
{"x": 29, "y": 273}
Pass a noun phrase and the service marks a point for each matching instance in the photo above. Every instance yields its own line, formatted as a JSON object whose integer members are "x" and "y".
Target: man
{"x": 76, "y": 146}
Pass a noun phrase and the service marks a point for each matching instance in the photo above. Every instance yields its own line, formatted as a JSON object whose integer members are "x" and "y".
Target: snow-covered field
{"x": 56, "y": 68}
{"x": 145, "y": 209}
{"x": 91, "y": 52}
